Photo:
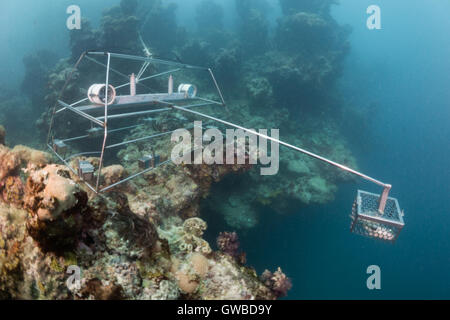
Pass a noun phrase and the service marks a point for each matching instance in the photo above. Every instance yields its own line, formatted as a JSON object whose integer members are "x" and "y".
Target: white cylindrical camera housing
{"x": 189, "y": 90}
{"x": 97, "y": 93}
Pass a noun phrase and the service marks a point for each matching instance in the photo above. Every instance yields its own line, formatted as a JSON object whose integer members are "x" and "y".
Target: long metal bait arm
{"x": 386, "y": 187}
{"x": 168, "y": 99}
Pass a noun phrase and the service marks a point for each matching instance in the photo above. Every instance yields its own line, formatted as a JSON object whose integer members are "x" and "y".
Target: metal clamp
{"x": 383, "y": 198}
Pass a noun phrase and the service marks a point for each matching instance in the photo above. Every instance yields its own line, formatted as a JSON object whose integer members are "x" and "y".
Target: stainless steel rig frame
{"x": 375, "y": 216}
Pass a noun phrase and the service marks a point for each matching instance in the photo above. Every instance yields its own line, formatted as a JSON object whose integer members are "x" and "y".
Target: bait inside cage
{"x": 368, "y": 221}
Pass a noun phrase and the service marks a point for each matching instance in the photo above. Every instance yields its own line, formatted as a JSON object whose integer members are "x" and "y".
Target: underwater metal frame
{"x": 122, "y": 102}
{"x": 376, "y": 216}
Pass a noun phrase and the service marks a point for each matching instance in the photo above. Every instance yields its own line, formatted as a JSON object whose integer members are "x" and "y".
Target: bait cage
{"x": 368, "y": 221}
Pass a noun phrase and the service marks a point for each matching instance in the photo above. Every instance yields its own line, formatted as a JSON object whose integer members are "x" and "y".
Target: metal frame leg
{"x": 100, "y": 166}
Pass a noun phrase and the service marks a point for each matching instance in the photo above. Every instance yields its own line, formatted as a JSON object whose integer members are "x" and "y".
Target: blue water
{"x": 405, "y": 68}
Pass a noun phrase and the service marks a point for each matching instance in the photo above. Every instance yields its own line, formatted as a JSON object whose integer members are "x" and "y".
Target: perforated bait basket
{"x": 367, "y": 220}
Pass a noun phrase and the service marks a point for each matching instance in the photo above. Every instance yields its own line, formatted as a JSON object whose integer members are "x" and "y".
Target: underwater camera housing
{"x": 189, "y": 90}
{"x": 85, "y": 170}
{"x": 97, "y": 93}
{"x": 149, "y": 161}
{"x": 368, "y": 221}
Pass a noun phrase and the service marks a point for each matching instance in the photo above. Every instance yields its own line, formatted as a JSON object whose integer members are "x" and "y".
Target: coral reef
{"x": 126, "y": 246}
